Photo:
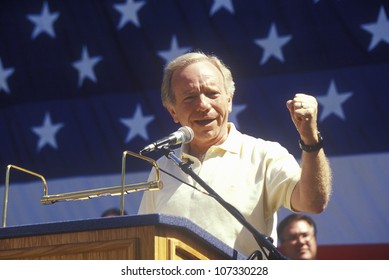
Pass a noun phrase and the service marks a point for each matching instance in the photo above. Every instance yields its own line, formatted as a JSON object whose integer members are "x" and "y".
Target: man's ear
{"x": 229, "y": 104}
{"x": 172, "y": 113}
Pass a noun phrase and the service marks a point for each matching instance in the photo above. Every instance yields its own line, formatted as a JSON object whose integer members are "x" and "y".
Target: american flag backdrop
{"x": 80, "y": 83}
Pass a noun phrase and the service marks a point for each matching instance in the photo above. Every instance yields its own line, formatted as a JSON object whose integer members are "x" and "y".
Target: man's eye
{"x": 189, "y": 98}
{"x": 213, "y": 94}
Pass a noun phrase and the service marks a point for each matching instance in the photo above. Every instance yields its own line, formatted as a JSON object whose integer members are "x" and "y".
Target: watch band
{"x": 312, "y": 148}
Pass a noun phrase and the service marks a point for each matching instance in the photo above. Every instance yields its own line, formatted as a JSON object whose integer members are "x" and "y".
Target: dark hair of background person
{"x": 111, "y": 212}
{"x": 292, "y": 218}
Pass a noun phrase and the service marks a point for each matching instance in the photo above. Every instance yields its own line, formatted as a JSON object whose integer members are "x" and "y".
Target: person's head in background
{"x": 297, "y": 237}
{"x": 112, "y": 212}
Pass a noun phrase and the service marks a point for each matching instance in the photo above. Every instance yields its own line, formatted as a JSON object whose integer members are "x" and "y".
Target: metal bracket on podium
{"x": 7, "y": 175}
{"x": 123, "y": 189}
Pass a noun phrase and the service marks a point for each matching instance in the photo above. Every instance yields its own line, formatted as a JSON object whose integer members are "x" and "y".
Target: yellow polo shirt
{"x": 257, "y": 177}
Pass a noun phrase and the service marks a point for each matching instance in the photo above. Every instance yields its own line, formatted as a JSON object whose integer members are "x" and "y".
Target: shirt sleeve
{"x": 283, "y": 173}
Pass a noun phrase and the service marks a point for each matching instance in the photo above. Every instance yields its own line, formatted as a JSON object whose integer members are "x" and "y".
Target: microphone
{"x": 182, "y": 136}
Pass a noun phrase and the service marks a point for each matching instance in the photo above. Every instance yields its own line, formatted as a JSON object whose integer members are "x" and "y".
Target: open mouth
{"x": 204, "y": 122}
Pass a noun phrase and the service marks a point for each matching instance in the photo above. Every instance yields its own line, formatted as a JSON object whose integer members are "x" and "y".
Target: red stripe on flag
{"x": 354, "y": 252}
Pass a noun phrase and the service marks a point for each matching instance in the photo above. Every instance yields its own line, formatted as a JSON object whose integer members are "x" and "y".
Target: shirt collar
{"x": 232, "y": 143}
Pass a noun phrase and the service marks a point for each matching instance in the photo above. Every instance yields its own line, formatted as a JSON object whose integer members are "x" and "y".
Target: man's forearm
{"x": 313, "y": 191}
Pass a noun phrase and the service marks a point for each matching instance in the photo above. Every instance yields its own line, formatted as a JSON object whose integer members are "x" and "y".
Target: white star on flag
{"x": 332, "y": 102}
{"x": 219, "y": 4}
{"x": 236, "y": 110}
{"x": 46, "y": 132}
{"x": 129, "y": 12}
{"x": 43, "y": 22}
{"x": 137, "y": 124}
{"x": 174, "y": 51}
{"x": 85, "y": 66}
{"x": 4, "y": 74}
{"x": 379, "y": 30}
{"x": 272, "y": 44}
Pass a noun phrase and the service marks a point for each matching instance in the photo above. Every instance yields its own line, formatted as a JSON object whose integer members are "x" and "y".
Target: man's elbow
{"x": 318, "y": 207}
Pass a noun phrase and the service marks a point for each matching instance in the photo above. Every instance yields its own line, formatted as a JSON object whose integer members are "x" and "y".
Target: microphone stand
{"x": 262, "y": 240}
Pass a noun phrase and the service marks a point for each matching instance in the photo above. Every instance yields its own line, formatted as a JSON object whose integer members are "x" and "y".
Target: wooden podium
{"x": 142, "y": 237}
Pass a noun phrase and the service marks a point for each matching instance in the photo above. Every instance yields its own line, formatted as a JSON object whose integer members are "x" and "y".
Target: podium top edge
{"x": 118, "y": 222}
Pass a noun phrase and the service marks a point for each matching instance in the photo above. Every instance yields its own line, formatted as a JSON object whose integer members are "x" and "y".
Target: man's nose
{"x": 203, "y": 102}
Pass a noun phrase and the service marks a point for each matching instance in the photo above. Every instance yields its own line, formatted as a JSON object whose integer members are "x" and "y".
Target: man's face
{"x": 299, "y": 241}
{"x": 201, "y": 103}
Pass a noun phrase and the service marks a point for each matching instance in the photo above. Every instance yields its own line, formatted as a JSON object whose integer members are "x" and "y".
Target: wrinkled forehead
{"x": 201, "y": 68}
{"x": 197, "y": 74}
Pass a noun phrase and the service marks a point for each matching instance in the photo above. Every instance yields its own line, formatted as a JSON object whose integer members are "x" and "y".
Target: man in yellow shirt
{"x": 256, "y": 176}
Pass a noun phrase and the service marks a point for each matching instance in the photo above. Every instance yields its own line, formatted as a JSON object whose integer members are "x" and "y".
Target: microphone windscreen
{"x": 188, "y": 134}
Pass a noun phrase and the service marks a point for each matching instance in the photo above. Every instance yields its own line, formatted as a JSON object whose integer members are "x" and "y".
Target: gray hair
{"x": 184, "y": 60}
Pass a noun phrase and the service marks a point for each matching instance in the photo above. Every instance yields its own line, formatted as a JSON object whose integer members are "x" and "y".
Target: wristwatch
{"x": 312, "y": 148}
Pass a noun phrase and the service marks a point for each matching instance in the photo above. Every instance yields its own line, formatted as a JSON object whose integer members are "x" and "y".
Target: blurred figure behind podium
{"x": 112, "y": 212}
